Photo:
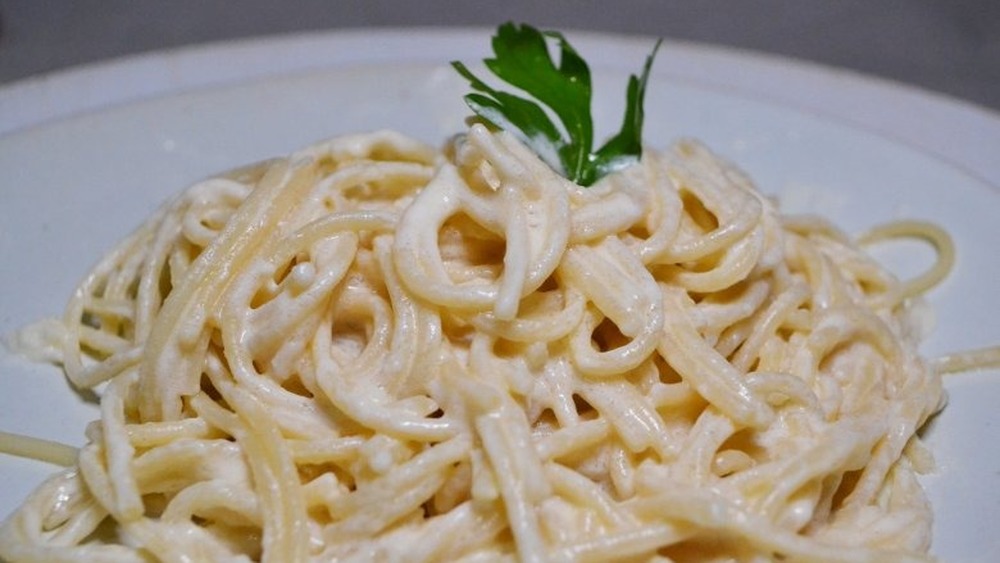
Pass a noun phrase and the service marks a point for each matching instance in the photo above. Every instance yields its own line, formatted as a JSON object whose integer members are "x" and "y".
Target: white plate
{"x": 86, "y": 154}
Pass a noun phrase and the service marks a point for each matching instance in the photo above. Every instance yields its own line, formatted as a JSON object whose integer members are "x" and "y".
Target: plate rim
{"x": 953, "y": 130}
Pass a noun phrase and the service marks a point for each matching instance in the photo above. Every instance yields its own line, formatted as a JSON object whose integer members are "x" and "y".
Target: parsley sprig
{"x": 522, "y": 59}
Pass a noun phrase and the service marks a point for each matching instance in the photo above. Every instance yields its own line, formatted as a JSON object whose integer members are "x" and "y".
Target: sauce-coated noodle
{"x": 370, "y": 350}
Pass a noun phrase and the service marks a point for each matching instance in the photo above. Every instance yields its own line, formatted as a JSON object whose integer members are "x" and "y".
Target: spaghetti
{"x": 370, "y": 350}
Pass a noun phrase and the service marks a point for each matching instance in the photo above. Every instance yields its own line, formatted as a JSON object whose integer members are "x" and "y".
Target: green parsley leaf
{"x": 522, "y": 59}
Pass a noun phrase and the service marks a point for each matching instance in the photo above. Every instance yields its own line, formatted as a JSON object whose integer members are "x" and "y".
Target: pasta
{"x": 373, "y": 350}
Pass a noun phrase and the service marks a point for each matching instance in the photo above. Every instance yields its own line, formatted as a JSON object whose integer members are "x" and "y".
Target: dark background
{"x": 946, "y": 46}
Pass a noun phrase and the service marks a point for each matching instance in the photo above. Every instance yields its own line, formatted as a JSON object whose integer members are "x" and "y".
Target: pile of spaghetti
{"x": 374, "y": 350}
